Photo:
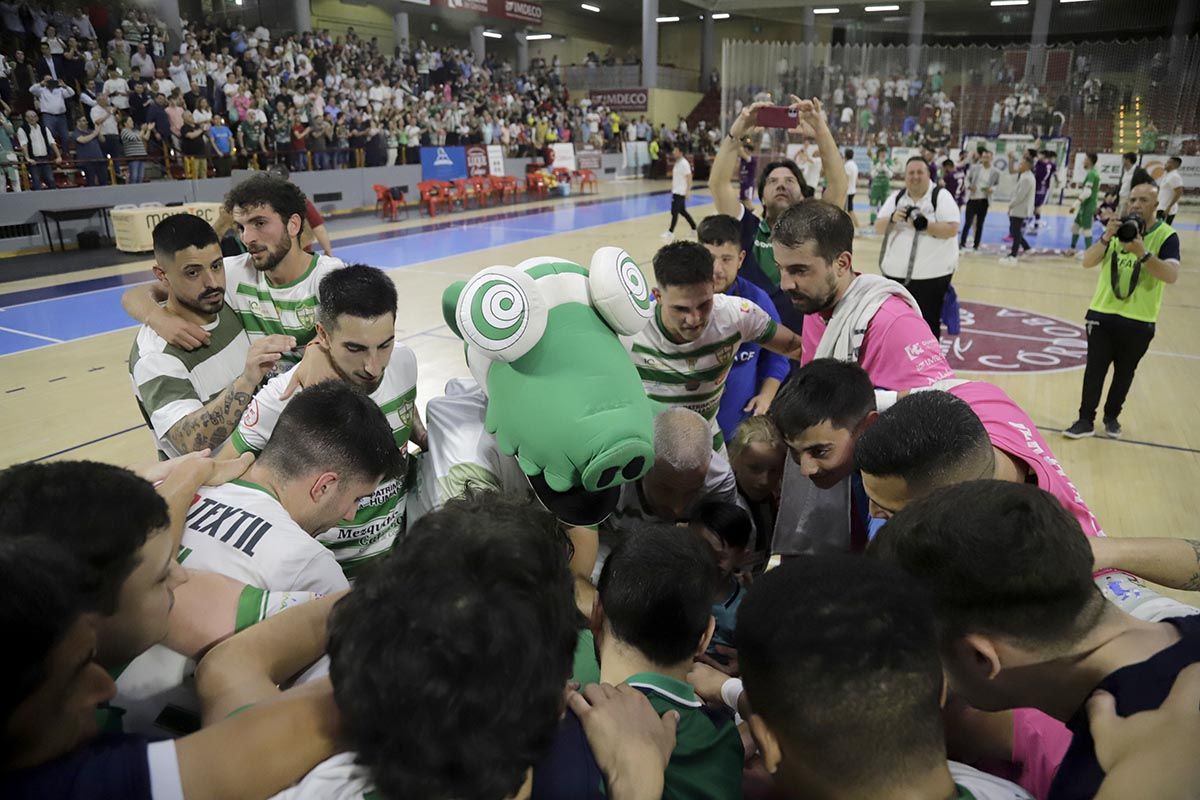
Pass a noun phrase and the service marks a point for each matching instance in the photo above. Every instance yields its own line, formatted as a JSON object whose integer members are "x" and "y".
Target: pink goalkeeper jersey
{"x": 898, "y": 350}
{"x": 1039, "y": 744}
{"x": 1012, "y": 431}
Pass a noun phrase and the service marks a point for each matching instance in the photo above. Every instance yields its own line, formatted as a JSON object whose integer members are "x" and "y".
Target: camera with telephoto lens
{"x": 919, "y": 221}
{"x": 1131, "y": 228}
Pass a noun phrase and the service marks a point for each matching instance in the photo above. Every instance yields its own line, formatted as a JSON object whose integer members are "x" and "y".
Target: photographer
{"x": 1137, "y": 255}
{"x": 919, "y": 225}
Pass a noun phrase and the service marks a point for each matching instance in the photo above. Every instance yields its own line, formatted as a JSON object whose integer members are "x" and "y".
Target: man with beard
{"x": 193, "y": 400}
{"x": 273, "y": 287}
{"x": 781, "y": 185}
{"x": 355, "y": 344}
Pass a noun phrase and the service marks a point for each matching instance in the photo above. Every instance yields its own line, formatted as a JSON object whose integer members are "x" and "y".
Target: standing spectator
{"x": 133, "y": 142}
{"x": 120, "y": 51}
{"x": 104, "y": 119}
{"x": 1124, "y": 310}
{"x": 192, "y": 141}
{"x": 24, "y": 77}
{"x": 252, "y": 144}
{"x": 1170, "y": 189}
{"x": 9, "y": 172}
{"x": 40, "y": 150}
{"x": 221, "y": 139}
{"x": 81, "y": 25}
{"x": 89, "y": 157}
{"x": 320, "y": 142}
{"x": 117, "y": 89}
{"x": 681, "y": 186}
{"x": 299, "y": 140}
{"x": 52, "y": 96}
{"x": 139, "y": 101}
{"x": 142, "y": 64}
{"x": 1020, "y": 208}
{"x": 982, "y": 178}
{"x": 156, "y": 115}
{"x": 851, "y": 185}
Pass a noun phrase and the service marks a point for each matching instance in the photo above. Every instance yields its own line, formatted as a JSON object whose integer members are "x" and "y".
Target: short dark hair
{"x": 1176, "y": 159}
{"x": 281, "y": 196}
{"x": 953, "y": 540}
{"x": 948, "y": 163}
{"x": 728, "y": 521}
{"x": 477, "y": 606}
{"x": 824, "y": 224}
{"x": 358, "y": 290}
{"x": 332, "y": 426}
{"x": 929, "y": 439}
{"x": 849, "y": 153}
{"x": 790, "y": 165}
{"x": 718, "y": 229}
{"x": 656, "y": 589}
{"x": 839, "y": 655}
{"x": 919, "y": 159}
{"x": 823, "y": 389}
{"x": 101, "y": 514}
{"x": 683, "y": 264}
{"x": 181, "y": 231}
{"x": 1095, "y": 159}
{"x": 1131, "y": 157}
{"x": 40, "y": 602}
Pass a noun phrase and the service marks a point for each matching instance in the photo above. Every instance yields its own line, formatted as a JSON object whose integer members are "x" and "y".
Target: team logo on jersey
{"x": 725, "y": 354}
{"x": 307, "y": 316}
{"x": 250, "y": 417}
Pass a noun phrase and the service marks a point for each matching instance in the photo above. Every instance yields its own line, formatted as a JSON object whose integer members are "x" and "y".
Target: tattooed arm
{"x": 211, "y": 425}
{"x": 1174, "y": 563}
{"x": 786, "y": 342}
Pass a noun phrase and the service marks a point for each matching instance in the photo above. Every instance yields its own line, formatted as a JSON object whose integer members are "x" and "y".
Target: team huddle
{"x": 744, "y": 533}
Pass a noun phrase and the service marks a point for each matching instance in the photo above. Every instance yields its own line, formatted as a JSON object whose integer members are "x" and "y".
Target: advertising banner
{"x": 443, "y": 163}
{"x": 621, "y": 99}
{"x": 564, "y": 155}
{"x": 495, "y": 157}
{"x": 525, "y": 11}
{"x": 477, "y": 161}
{"x": 589, "y": 158}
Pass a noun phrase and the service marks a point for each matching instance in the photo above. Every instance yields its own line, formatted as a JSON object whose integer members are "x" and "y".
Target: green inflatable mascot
{"x": 563, "y": 396}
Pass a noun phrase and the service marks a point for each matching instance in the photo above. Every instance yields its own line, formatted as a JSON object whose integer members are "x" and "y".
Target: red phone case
{"x": 777, "y": 117}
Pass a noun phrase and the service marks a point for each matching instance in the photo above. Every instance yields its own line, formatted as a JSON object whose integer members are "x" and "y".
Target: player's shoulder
{"x": 239, "y": 265}
{"x": 147, "y": 342}
{"x": 326, "y": 264}
{"x": 336, "y": 778}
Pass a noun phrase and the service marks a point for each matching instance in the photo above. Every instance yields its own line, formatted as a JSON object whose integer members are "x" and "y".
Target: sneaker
{"x": 1082, "y": 429}
{"x": 1112, "y": 428}
{"x": 667, "y": 236}
{"x": 1009, "y": 260}
{"x": 1008, "y": 238}
{"x": 1079, "y": 256}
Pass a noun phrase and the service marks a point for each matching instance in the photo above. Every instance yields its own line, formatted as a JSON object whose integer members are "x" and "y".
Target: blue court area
{"x": 39, "y": 317}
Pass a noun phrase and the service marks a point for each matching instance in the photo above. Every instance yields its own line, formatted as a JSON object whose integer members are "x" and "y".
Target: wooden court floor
{"x": 76, "y": 400}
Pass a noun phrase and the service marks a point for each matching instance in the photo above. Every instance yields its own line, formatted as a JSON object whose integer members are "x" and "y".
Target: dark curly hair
{"x": 449, "y": 658}
{"x": 281, "y": 196}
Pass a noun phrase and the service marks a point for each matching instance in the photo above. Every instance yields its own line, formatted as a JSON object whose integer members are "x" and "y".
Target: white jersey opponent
{"x": 461, "y": 452}
{"x": 693, "y": 374}
{"x": 240, "y": 530}
{"x": 265, "y": 309}
{"x": 170, "y": 382}
{"x": 381, "y": 516}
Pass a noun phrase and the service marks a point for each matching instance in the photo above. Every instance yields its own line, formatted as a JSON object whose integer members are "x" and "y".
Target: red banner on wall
{"x": 525, "y": 11}
{"x": 621, "y": 99}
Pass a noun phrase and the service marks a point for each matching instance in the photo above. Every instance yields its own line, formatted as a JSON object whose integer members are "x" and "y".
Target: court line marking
{"x": 1178, "y": 447}
{"x": 32, "y": 336}
{"x": 1077, "y": 338}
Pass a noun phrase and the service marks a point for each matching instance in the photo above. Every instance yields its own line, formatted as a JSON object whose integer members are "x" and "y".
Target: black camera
{"x": 919, "y": 221}
{"x": 1131, "y": 228}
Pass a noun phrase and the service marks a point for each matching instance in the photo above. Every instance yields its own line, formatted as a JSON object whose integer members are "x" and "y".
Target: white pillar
{"x": 522, "y": 52}
{"x": 916, "y": 32}
{"x": 706, "y": 51}
{"x": 1035, "y": 59}
{"x": 168, "y": 12}
{"x": 301, "y": 15}
{"x": 477, "y": 43}
{"x": 400, "y": 27}
{"x": 649, "y": 44}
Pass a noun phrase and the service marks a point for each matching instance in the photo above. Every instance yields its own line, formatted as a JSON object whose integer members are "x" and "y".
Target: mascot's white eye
{"x": 619, "y": 291}
{"x": 502, "y": 313}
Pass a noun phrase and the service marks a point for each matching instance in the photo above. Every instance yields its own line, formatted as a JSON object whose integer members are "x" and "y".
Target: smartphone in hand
{"x": 777, "y": 117}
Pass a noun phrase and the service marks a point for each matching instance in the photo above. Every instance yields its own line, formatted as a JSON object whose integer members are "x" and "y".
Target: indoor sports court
{"x": 444, "y": 142}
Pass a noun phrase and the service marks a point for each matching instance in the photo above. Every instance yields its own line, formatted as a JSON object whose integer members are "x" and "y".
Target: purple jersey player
{"x": 1043, "y": 175}
{"x": 746, "y": 169}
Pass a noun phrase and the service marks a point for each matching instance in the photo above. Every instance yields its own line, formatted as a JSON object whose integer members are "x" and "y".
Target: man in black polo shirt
{"x": 781, "y": 185}
{"x": 1022, "y": 624}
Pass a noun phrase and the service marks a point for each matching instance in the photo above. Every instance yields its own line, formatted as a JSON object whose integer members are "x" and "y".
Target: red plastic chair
{"x": 464, "y": 193}
{"x": 385, "y": 204}
{"x": 535, "y": 184}
{"x": 433, "y": 194}
{"x": 562, "y": 175}
{"x": 587, "y": 178}
{"x": 482, "y": 189}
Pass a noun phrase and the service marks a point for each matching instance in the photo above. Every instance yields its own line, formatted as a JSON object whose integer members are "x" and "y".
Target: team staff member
{"x": 781, "y": 185}
{"x": 919, "y": 225}
{"x": 982, "y": 178}
{"x": 681, "y": 187}
{"x": 1124, "y": 310}
{"x": 1170, "y": 189}
{"x": 193, "y": 399}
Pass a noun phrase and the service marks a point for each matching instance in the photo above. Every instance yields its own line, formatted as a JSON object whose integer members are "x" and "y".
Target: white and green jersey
{"x": 170, "y": 382}
{"x": 380, "y": 517}
{"x": 693, "y": 374}
{"x": 973, "y": 784}
{"x": 264, "y": 309}
{"x": 240, "y": 530}
{"x": 461, "y": 452}
{"x": 336, "y": 778}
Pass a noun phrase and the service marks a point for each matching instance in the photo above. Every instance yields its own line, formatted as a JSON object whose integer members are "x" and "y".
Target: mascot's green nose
{"x": 622, "y": 462}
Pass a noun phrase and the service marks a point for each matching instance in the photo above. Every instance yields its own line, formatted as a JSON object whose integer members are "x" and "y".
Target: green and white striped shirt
{"x": 693, "y": 374}
{"x": 380, "y": 517}
{"x": 170, "y": 382}
{"x": 264, "y": 309}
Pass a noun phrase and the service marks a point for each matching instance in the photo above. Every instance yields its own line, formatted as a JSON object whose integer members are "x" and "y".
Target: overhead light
{"x": 882, "y": 8}
{"x": 666, "y": 19}
{"x": 826, "y": 10}
{"x": 999, "y": 3}
{"x": 593, "y": 9}
{"x": 721, "y": 15}
{"x": 493, "y": 35}
{"x": 536, "y": 37}
{"x": 1074, "y": 1}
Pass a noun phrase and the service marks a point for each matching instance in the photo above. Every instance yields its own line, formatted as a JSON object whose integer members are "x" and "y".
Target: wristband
{"x": 731, "y": 693}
